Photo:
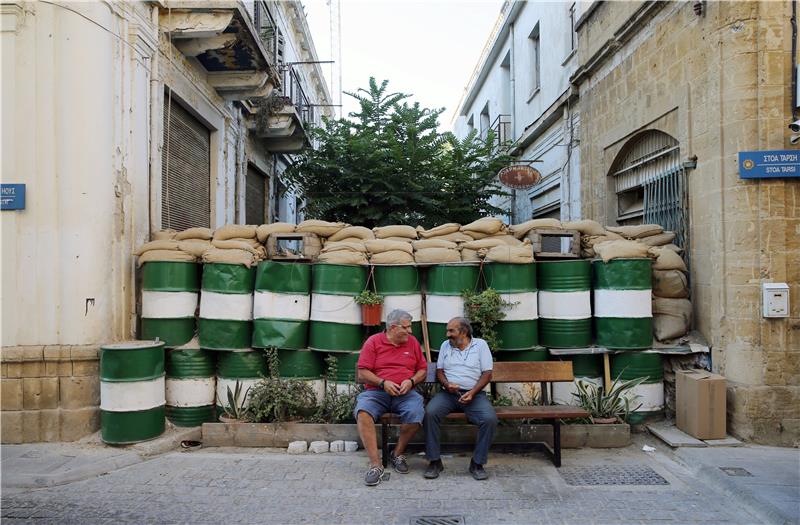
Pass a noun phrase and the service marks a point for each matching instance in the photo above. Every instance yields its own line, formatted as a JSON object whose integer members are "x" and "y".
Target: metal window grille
{"x": 255, "y": 197}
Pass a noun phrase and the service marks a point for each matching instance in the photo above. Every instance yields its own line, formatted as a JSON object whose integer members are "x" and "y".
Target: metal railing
{"x": 292, "y": 89}
{"x": 501, "y": 129}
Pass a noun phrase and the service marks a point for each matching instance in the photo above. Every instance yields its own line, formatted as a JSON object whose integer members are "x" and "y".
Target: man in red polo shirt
{"x": 391, "y": 364}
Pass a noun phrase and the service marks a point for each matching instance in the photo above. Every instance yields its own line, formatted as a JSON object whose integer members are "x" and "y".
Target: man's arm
{"x": 369, "y": 377}
{"x": 485, "y": 379}
{"x": 417, "y": 378}
{"x": 442, "y": 378}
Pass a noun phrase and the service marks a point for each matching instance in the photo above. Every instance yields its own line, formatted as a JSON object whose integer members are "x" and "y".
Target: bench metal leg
{"x": 385, "y": 444}
{"x": 556, "y": 443}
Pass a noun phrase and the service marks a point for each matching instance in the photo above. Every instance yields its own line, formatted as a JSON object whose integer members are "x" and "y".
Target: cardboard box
{"x": 700, "y": 403}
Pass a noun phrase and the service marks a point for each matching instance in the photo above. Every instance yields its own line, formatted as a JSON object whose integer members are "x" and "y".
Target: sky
{"x": 428, "y": 49}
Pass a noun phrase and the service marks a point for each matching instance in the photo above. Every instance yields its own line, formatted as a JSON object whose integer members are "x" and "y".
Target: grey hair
{"x": 396, "y": 316}
{"x": 463, "y": 324}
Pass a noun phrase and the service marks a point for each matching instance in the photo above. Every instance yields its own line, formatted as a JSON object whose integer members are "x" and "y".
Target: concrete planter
{"x": 281, "y": 434}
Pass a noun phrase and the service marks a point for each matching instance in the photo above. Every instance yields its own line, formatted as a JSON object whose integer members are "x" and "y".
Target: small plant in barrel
{"x": 277, "y": 399}
{"x": 235, "y": 410}
{"x": 484, "y": 310}
{"x": 607, "y": 407}
{"x": 371, "y": 307}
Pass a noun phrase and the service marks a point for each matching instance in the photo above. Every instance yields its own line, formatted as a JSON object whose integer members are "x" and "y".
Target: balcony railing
{"x": 502, "y": 131}
{"x": 292, "y": 89}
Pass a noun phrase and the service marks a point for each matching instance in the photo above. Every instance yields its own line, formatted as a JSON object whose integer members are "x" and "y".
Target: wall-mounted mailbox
{"x": 775, "y": 298}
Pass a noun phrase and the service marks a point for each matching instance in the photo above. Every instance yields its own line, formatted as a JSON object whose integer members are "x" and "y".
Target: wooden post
{"x": 606, "y": 373}
{"x": 425, "y": 338}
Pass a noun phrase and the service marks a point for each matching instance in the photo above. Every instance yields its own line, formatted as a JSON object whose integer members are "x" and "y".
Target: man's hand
{"x": 392, "y": 388}
{"x": 466, "y": 398}
{"x": 406, "y": 386}
{"x": 452, "y": 388}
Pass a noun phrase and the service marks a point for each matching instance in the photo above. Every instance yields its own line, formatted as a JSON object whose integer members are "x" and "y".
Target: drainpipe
{"x": 513, "y": 115}
{"x": 155, "y": 118}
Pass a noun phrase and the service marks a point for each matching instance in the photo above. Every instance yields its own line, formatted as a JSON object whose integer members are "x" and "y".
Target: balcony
{"x": 221, "y": 37}
{"x": 501, "y": 128}
{"x": 283, "y": 119}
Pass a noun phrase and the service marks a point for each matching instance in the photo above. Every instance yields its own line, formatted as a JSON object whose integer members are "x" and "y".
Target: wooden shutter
{"x": 185, "y": 170}
{"x": 255, "y": 197}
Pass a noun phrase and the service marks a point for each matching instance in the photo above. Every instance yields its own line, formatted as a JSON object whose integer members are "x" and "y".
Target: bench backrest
{"x": 521, "y": 372}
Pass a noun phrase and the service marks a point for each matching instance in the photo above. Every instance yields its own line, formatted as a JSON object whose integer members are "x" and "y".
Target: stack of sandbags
{"x": 386, "y": 251}
{"x": 672, "y": 311}
{"x": 195, "y": 240}
{"x": 521, "y": 230}
{"x": 163, "y": 250}
{"x": 505, "y": 253}
{"x": 344, "y": 252}
{"x": 235, "y": 244}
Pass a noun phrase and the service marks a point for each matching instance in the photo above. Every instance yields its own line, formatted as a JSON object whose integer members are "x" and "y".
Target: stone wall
{"x": 719, "y": 83}
{"x": 49, "y": 393}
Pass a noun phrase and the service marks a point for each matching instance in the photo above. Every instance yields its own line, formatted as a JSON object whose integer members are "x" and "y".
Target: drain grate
{"x": 736, "y": 471}
{"x": 437, "y": 520}
{"x": 612, "y": 475}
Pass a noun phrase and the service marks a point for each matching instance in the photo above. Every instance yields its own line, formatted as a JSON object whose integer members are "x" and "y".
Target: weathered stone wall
{"x": 719, "y": 83}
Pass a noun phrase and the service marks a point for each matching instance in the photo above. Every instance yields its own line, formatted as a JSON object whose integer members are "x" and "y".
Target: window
{"x": 271, "y": 36}
{"x": 535, "y": 47}
{"x": 255, "y": 197}
{"x": 485, "y": 122}
{"x": 471, "y": 124}
{"x": 572, "y": 35}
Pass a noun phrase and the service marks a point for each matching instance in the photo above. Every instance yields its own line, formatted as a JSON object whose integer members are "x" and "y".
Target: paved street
{"x": 268, "y": 486}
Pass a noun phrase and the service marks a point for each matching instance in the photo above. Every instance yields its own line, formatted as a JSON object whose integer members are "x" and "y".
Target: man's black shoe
{"x": 434, "y": 468}
{"x": 477, "y": 471}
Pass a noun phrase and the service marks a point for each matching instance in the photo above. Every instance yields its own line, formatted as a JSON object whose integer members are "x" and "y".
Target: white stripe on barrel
{"x": 442, "y": 308}
{"x": 335, "y": 309}
{"x": 224, "y": 383}
{"x": 562, "y": 391}
{"x": 565, "y": 305}
{"x": 196, "y": 392}
{"x": 132, "y": 396}
{"x": 410, "y": 303}
{"x": 228, "y": 307}
{"x": 168, "y": 305}
{"x": 524, "y": 306}
{"x": 651, "y": 397}
{"x": 623, "y": 303}
{"x": 271, "y": 305}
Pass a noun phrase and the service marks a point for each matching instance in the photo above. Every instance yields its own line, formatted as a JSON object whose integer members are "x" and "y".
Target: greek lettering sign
{"x": 769, "y": 164}
{"x": 12, "y": 196}
{"x": 519, "y": 177}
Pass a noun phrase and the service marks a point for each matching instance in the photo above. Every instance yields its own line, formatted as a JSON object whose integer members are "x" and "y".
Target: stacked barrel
{"x": 443, "y": 300}
{"x": 623, "y": 313}
{"x": 401, "y": 288}
{"x": 169, "y": 301}
{"x": 587, "y": 368}
{"x": 245, "y": 367}
{"x": 226, "y": 307}
{"x": 650, "y": 394}
{"x": 565, "y": 310}
{"x": 190, "y": 387}
{"x": 131, "y": 391}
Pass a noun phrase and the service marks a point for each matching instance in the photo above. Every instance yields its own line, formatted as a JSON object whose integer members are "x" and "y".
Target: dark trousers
{"x": 479, "y": 412}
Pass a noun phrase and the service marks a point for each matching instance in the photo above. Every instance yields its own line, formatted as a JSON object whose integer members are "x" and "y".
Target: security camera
{"x": 795, "y": 126}
{"x": 794, "y": 139}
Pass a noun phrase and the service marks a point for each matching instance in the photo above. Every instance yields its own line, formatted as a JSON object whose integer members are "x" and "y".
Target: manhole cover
{"x": 735, "y": 471}
{"x": 612, "y": 475}
{"x": 437, "y": 520}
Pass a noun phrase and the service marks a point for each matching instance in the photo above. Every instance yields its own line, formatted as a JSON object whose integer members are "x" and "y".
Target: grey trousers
{"x": 479, "y": 412}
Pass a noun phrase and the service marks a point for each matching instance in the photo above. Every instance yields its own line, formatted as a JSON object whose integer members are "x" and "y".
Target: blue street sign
{"x": 12, "y": 196}
{"x": 769, "y": 164}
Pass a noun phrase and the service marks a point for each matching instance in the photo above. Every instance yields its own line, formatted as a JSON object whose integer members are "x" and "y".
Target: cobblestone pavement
{"x": 269, "y": 486}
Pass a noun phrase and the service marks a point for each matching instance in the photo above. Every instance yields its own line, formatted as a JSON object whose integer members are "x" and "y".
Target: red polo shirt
{"x": 387, "y": 361}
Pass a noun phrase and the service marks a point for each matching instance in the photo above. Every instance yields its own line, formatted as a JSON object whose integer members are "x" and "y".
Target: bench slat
{"x": 531, "y": 412}
{"x": 532, "y": 372}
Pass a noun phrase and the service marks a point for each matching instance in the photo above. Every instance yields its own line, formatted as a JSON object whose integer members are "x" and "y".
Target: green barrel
{"x": 565, "y": 310}
{"x": 281, "y": 305}
{"x": 226, "y": 307}
{"x": 587, "y": 368}
{"x": 516, "y": 284}
{"x": 335, "y": 324}
{"x": 169, "y": 301}
{"x": 443, "y": 300}
{"x": 246, "y": 367}
{"x": 401, "y": 288}
{"x": 190, "y": 387}
{"x": 538, "y": 354}
{"x": 623, "y": 315}
{"x": 131, "y": 391}
{"x": 303, "y": 365}
{"x": 344, "y": 380}
{"x": 650, "y": 394}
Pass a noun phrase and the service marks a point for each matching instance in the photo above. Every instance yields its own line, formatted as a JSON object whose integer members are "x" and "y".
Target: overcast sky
{"x": 428, "y": 49}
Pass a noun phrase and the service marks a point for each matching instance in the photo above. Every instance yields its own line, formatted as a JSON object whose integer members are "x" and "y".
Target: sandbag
{"x": 521, "y": 230}
{"x": 357, "y": 247}
{"x": 488, "y": 242}
{"x": 164, "y": 235}
{"x": 396, "y": 230}
{"x": 521, "y": 254}
{"x": 349, "y": 239}
{"x": 442, "y": 229}
{"x": 588, "y": 241}
{"x": 217, "y": 255}
{"x": 195, "y": 233}
{"x": 468, "y": 255}
{"x": 487, "y": 225}
{"x": 433, "y": 243}
{"x": 586, "y": 227}
{"x": 671, "y": 318}
{"x": 437, "y": 255}
{"x": 234, "y": 244}
{"x": 235, "y": 231}
{"x": 670, "y": 283}
{"x": 265, "y": 230}
{"x": 454, "y": 237}
{"x": 667, "y": 259}
{"x": 165, "y": 255}
{"x": 382, "y": 245}
{"x": 659, "y": 239}
{"x": 620, "y": 249}
{"x": 507, "y": 239}
{"x": 343, "y": 257}
{"x": 392, "y": 257}
{"x": 587, "y": 253}
{"x": 359, "y": 232}
{"x": 157, "y": 245}
{"x": 321, "y": 228}
{"x": 637, "y": 232}
{"x": 676, "y": 249}
{"x": 475, "y": 236}
{"x": 195, "y": 247}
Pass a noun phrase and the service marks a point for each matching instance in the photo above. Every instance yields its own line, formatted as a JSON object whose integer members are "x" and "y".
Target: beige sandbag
{"x": 164, "y": 235}
{"x": 349, "y": 239}
{"x": 396, "y": 230}
{"x": 195, "y": 246}
{"x": 454, "y": 237}
{"x": 261, "y": 253}
{"x": 676, "y": 249}
{"x": 343, "y": 257}
{"x": 392, "y": 257}
{"x": 195, "y": 233}
{"x": 588, "y": 241}
{"x": 468, "y": 255}
{"x": 382, "y": 245}
{"x": 321, "y": 228}
{"x": 217, "y": 255}
{"x": 620, "y": 249}
{"x": 233, "y": 244}
{"x": 587, "y": 253}
{"x": 671, "y": 318}
{"x": 476, "y": 236}
{"x": 521, "y": 254}
{"x": 437, "y": 255}
{"x": 585, "y": 226}
{"x": 235, "y": 231}
{"x": 157, "y": 245}
{"x": 667, "y": 259}
{"x": 487, "y": 225}
{"x": 638, "y": 231}
{"x": 433, "y": 243}
{"x": 165, "y": 255}
{"x": 521, "y": 230}
{"x": 670, "y": 283}
{"x": 265, "y": 230}
{"x": 488, "y": 242}
{"x": 660, "y": 239}
{"x": 442, "y": 229}
{"x": 359, "y": 232}
{"x": 507, "y": 239}
{"x": 357, "y": 247}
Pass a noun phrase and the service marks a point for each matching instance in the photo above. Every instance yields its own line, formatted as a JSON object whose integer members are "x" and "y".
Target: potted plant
{"x": 235, "y": 410}
{"x": 611, "y": 407}
{"x": 371, "y": 307}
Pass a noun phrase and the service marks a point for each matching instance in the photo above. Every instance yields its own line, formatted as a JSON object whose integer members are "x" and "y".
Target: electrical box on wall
{"x": 775, "y": 299}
